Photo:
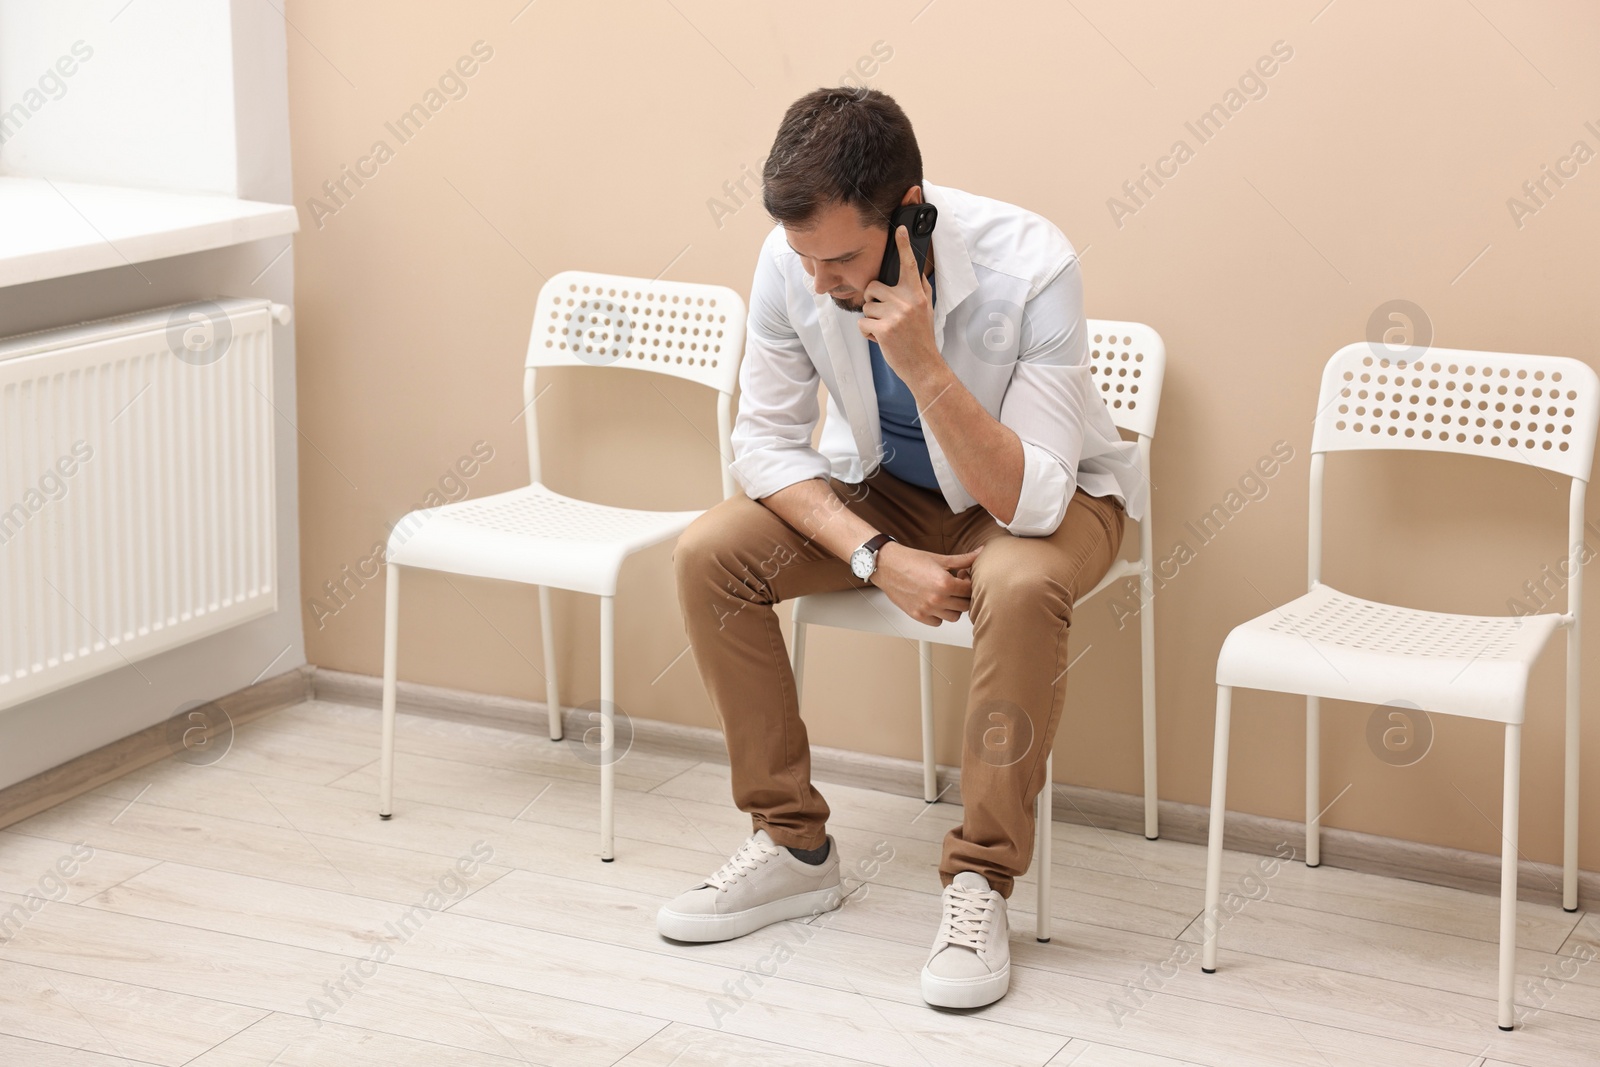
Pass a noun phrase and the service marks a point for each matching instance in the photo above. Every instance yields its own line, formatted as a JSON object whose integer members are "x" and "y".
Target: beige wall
{"x": 1377, "y": 166}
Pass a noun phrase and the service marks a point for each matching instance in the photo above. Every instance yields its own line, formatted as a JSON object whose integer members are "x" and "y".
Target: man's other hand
{"x": 927, "y": 586}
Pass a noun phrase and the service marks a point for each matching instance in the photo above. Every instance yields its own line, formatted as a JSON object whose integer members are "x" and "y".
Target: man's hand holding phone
{"x": 900, "y": 317}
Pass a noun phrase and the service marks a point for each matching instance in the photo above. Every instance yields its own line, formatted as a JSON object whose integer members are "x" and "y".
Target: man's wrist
{"x": 881, "y": 560}
{"x": 927, "y": 374}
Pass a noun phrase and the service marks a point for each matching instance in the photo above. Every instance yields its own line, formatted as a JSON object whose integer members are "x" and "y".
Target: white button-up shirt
{"x": 1009, "y": 322}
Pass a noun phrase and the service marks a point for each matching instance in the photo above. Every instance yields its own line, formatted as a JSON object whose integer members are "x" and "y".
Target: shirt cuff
{"x": 765, "y": 470}
{"x": 1046, "y": 489}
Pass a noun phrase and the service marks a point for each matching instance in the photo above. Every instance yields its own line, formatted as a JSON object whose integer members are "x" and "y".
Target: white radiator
{"x": 136, "y": 489}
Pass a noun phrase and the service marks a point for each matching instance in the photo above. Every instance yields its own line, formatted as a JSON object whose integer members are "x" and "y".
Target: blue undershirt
{"x": 905, "y": 450}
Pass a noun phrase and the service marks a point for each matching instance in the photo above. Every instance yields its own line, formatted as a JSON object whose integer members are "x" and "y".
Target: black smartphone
{"x": 918, "y": 219}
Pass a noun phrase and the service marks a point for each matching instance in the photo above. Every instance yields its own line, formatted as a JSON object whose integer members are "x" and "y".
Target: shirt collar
{"x": 951, "y": 260}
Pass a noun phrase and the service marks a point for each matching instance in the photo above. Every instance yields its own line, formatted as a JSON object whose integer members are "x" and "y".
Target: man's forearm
{"x": 813, "y": 508}
{"x": 986, "y": 454}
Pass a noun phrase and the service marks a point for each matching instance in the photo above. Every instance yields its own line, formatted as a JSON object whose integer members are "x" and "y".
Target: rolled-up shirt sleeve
{"x": 778, "y": 407}
{"x": 1047, "y": 403}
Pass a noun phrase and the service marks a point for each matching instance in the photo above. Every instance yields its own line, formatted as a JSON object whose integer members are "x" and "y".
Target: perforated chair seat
{"x": 1330, "y": 644}
{"x": 536, "y": 536}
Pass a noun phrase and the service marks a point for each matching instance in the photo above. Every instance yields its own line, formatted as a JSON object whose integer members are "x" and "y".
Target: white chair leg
{"x": 930, "y": 770}
{"x": 608, "y": 696}
{"x": 799, "y": 657}
{"x": 1508, "y": 877}
{"x": 1569, "y": 844}
{"x": 552, "y": 697}
{"x": 391, "y": 666}
{"x": 1219, "y": 800}
{"x": 1041, "y": 861}
{"x": 1147, "y": 668}
{"x": 1313, "y": 782}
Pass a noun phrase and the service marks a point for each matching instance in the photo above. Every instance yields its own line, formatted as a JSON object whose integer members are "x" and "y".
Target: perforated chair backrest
{"x": 687, "y": 330}
{"x": 1541, "y": 411}
{"x": 1128, "y": 362}
{"x": 1537, "y": 410}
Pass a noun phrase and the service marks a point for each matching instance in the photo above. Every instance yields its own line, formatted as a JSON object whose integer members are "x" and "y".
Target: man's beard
{"x": 846, "y": 306}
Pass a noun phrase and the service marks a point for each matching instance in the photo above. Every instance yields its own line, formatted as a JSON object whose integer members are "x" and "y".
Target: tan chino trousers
{"x": 739, "y": 559}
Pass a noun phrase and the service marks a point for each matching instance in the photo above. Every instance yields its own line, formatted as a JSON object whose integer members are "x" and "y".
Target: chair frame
{"x": 1336, "y": 430}
{"x": 1134, "y": 406}
{"x": 677, "y": 351}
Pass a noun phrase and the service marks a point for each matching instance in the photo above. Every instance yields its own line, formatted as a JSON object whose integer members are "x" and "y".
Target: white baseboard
{"x": 1349, "y": 849}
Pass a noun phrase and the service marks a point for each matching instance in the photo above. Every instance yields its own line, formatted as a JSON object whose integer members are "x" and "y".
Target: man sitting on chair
{"x": 967, "y": 464}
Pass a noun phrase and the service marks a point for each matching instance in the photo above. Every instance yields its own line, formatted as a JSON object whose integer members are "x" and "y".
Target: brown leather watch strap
{"x": 877, "y": 541}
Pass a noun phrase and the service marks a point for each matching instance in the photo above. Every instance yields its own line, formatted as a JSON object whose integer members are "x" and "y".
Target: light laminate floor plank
{"x": 113, "y": 1018}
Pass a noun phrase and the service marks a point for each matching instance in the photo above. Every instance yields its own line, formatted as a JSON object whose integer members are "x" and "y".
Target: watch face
{"x": 861, "y": 563}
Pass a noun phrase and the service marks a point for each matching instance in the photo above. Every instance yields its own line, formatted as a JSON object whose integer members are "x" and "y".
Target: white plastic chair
{"x": 1129, "y": 361}
{"x": 1535, "y": 410}
{"x": 539, "y": 537}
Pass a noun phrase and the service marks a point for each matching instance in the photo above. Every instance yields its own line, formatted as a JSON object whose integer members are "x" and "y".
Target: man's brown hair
{"x": 840, "y": 145}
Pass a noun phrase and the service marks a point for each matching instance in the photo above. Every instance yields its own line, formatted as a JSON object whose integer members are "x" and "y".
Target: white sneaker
{"x": 970, "y": 964}
{"x": 761, "y": 884}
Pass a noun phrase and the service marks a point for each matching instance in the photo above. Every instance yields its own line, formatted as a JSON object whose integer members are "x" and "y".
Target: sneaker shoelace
{"x": 966, "y": 917}
{"x": 751, "y": 855}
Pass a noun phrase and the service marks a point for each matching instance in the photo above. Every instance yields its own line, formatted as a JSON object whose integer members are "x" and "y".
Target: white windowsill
{"x": 50, "y": 229}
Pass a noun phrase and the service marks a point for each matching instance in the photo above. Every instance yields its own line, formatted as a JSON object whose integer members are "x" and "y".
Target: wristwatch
{"x": 864, "y": 560}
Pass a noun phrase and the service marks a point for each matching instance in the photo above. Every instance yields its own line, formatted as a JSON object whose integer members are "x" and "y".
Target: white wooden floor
{"x": 255, "y": 912}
